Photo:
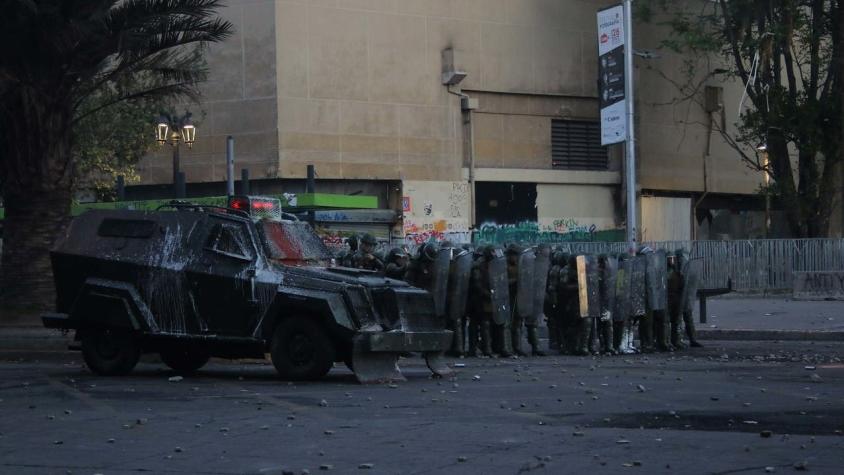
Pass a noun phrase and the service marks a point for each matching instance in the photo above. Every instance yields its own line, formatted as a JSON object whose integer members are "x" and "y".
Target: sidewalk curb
{"x": 13, "y": 338}
{"x": 767, "y": 335}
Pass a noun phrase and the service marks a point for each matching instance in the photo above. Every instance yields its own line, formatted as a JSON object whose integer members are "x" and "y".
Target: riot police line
{"x": 494, "y": 298}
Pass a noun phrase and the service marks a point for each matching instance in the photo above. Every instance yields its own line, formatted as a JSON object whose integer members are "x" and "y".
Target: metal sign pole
{"x": 630, "y": 156}
{"x": 230, "y": 165}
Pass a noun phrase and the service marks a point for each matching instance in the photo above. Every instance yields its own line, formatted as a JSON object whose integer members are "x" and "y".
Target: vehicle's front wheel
{"x": 184, "y": 359}
{"x": 301, "y": 349}
{"x": 109, "y": 351}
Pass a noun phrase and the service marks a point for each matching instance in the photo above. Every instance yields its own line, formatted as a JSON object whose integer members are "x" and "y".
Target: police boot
{"x": 473, "y": 339}
{"x": 663, "y": 330}
{"x": 677, "y": 334}
{"x": 563, "y": 338}
{"x": 457, "y": 346}
{"x": 573, "y": 337}
{"x": 594, "y": 337}
{"x": 516, "y": 338}
{"x": 533, "y": 339}
{"x": 505, "y": 349}
{"x": 607, "y": 340}
{"x": 617, "y": 336}
{"x": 486, "y": 338}
{"x": 628, "y": 344}
{"x": 584, "y": 334}
{"x": 646, "y": 332}
{"x": 554, "y": 342}
{"x": 689, "y": 320}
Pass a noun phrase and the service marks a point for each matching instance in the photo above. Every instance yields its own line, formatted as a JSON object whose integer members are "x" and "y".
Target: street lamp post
{"x": 174, "y": 130}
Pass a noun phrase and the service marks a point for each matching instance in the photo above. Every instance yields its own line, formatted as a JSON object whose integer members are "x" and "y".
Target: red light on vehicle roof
{"x": 263, "y": 205}
{"x": 239, "y": 203}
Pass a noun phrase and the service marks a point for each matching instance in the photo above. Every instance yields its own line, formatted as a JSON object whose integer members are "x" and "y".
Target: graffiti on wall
{"x": 560, "y": 231}
{"x": 435, "y": 211}
{"x": 440, "y": 230}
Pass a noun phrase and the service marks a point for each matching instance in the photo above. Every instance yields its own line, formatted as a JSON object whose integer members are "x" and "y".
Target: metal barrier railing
{"x": 758, "y": 264}
{"x": 751, "y": 265}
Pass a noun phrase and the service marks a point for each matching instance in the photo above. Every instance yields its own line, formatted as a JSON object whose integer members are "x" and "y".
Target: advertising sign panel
{"x": 611, "y": 75}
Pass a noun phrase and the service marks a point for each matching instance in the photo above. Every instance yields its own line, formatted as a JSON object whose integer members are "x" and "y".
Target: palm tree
{"x": 54, "y": 56}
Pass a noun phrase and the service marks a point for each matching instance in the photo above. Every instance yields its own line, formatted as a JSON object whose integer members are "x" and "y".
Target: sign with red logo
{"x": 611, "y": 75}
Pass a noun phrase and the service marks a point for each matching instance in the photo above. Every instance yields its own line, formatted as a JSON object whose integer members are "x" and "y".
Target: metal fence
{"x": 752, "y": 265}
{"x": 757, "y": 265}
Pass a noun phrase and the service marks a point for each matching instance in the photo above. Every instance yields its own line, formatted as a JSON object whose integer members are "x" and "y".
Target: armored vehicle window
{"x": 292, "y": 241}
{"x": 228, "y": 239}
{"x": 126, "y": 228}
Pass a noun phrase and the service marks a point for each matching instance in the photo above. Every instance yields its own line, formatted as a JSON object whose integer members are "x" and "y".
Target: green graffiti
{"x": 531, "y": 233}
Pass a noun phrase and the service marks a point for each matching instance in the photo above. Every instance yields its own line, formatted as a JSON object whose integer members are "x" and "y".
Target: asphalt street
{"x": 733, "y": 407}
{"x": 773, "y": 313}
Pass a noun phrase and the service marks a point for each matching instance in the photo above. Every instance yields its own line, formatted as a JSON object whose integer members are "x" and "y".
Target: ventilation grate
{"x": 576, "y": 145}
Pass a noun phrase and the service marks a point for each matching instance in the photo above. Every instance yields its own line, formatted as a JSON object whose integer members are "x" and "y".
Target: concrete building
{"x": 355, "y": 88}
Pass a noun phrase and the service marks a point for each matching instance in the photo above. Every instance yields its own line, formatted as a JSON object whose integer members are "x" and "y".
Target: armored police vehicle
{"x": 190, "y": 282}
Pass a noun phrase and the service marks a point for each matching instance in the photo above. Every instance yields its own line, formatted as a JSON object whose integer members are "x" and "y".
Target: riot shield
{"x": 622, "y": 308}
{"x": 656, "y": 278}
{"x": 541, "y": 267}
{"x": 638, "y": 287}
{"x": 439, "y": 280}
{"x": 609, "y": 274}
{"x": 692, "y": 271}
{"x": 458, "y": 283}
{"x": 524, "y": 289}
{"x": 588, "y": 283}
{"x": 499, "y": 288}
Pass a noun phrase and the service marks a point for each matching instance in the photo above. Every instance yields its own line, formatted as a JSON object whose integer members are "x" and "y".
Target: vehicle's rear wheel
{"x": 301, "y": 349}
{"x": 110, "y": 351}
{"x": 184, "y": 359}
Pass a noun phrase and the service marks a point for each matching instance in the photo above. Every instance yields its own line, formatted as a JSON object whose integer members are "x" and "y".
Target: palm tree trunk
{"x": 31, "y": 226}
{"x": 37, "y": 196}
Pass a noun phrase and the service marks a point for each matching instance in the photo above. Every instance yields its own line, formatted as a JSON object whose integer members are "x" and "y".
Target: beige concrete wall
{"x": 666, "y": 219}
{"x": 672, "y": 124}
{"x": 359, "y": 90}
{"x": 238, "y": 99}
{"x": 575, "y": 208}
{"x": 353, "y": 86}
{"x": 514, "y": 131}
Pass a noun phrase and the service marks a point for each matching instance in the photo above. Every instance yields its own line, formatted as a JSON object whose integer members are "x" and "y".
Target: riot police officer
{"x": 347, "y": 259}
{"x": 459, "y": 277}
{"x": 396, "y": 264}
{"x": 557, "y": 304}
{"x": 542, "y": 267}
{"x": 365, "y": 257}
{"x": 608, "y": 266}
{"x": 688, "y": 271}
{"x": 419, "y": 271}
{"x": 482, "y": 305}
{"x": 623, "y": 315}
{"x": 551, "y": 303}
{"x": 675, "y": 296}
{"x": 513, "y": 251}
{"x": 578, "y": 328}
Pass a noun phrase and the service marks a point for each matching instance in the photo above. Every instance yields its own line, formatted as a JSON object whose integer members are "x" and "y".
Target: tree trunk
{"x": 34, "y": 158}
{"x": 784, "y": 181}
{"x": 31, "y": 226}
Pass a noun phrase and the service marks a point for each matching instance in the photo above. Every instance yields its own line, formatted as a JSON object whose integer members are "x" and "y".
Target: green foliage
{"x": 111, "y": 141}
{"x": 62, "y": 62}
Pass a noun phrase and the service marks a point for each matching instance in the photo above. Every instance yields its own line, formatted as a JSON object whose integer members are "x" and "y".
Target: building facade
{"x": 512, "y": 152}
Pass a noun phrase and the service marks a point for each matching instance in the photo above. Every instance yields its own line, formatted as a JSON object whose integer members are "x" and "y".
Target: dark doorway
{"x": 505, "y": 203}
